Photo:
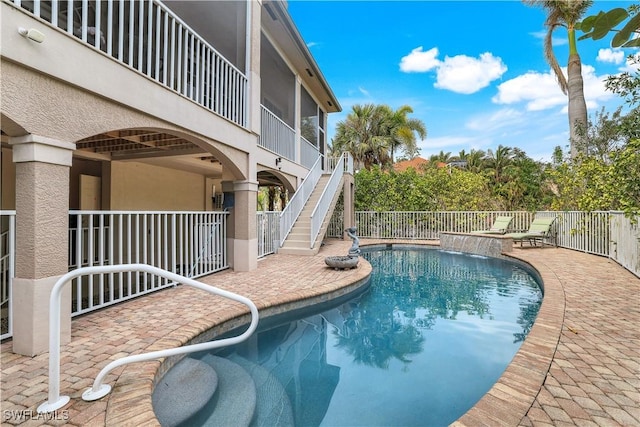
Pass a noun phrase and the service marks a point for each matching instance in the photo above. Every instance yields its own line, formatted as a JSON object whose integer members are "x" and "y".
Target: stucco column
{"x": 242, "y": 236}
{"x": 42, "y": 212}
{"x": 349, "y": 215}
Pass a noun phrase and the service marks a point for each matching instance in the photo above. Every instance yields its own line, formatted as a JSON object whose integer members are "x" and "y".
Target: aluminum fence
{"x": 268, "y": 229}
{"x": 603, "y": 233}
{"x": 191, "y": 244}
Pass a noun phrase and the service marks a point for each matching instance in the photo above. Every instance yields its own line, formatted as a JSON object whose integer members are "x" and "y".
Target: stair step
{"x": 185, "y": 390}
{"x": 235, "y": 400}
{"x": 273, "y": 407}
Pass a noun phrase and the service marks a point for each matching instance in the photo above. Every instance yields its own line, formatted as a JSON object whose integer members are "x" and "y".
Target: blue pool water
{"x": 427, "y": 339}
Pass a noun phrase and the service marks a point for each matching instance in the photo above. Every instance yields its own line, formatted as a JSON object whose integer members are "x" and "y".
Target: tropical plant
{"x": 598, "y": 26}
{"x": 567, "y": 13}
{"x": 402, "y": 131}
{"x": 372, "y": 133}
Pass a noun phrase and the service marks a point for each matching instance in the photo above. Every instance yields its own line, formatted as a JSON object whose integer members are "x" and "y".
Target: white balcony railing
{"x": 149, "y": 38}
{"x": 277, "y": 136}
{"x": 308, "y": 153}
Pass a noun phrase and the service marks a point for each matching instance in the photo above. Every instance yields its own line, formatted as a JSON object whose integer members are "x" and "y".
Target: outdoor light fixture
{"x": 31, "y": 34}
{"x": 279, "y": 162}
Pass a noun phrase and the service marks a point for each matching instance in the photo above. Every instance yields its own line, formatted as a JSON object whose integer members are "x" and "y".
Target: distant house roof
{"x": 417, "y": 163}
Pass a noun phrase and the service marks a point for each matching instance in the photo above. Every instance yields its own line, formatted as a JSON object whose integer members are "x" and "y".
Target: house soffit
{"x": 146, "y": 146}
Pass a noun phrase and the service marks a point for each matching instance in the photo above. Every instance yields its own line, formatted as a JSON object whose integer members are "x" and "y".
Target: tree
{"x": 371, "y": 133}
{"x": 598, "y": 26}
{"x": 567, "y": 13}
{"x": 498, "y": 161}
{"x": 403, "y": 130}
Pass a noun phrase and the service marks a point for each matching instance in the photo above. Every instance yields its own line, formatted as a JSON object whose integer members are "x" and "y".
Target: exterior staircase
{"x": 298, "y": 242}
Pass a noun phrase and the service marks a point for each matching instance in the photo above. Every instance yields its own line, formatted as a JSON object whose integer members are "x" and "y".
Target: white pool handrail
{"x": 99, "y": 390}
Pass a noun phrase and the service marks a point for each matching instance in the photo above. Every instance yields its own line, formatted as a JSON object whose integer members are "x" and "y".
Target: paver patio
{"x": 580, "y": 364}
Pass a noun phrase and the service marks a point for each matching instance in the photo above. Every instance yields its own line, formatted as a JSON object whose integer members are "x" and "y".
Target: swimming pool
{"x": 428, "y": 338}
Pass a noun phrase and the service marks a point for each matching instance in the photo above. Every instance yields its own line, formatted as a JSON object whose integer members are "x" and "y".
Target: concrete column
{"x": 42, "y": 212}
{"x": 242, "y": 236}
{"x": 349, "y": 215}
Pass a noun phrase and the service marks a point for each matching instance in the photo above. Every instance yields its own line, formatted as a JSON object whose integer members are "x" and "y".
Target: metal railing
{"x": 268, "y": 230}
{"x": 151, "y": 39}
{"x": 98, "y": 389}
{"x": 604, "y": 233}
{"x": 277, "y": 136}
{"x": 7, "y": 270}
{"x": 327, "y": 197}
{"x": 291, "y": 212}
{"x": 308, "y": 153}
{"x": 192, "y": 244}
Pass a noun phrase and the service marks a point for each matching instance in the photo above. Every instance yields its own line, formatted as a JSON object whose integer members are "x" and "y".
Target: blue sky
{"x": 473, "y": 71}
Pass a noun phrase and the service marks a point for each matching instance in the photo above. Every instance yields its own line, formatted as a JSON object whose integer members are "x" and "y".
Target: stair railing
{"x": 99, "y": 390}
{"x": 291, "y": 212}
{"x": 328, "y": 194}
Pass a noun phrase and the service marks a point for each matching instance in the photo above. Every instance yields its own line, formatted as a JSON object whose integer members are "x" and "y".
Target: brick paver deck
{"x": 580, "y": 364}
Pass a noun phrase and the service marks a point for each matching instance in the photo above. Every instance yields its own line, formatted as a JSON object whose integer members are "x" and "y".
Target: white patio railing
{"x": 604, "y": 233}
{"x": 268, "y": 230}
{"x": 277, "y": 136}
{"x": 291, "y": 212}
{"x": 7, "y": 270}
{"x": 192, "y": 244}
{"x": 151, "y": 39}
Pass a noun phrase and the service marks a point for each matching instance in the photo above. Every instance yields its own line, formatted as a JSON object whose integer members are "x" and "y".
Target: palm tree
{"x": 402, "y": 131}
{"x": 498, "y": 161}
{"x": 567, "y": 13}
{"x": 371, "y": 133}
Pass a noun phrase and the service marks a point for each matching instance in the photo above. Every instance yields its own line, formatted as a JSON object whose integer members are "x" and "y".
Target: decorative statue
{"x": 355, "y": 247}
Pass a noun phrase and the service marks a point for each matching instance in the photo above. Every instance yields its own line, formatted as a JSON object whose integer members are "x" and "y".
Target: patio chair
{"x": 500, "y": 226}
{"x": 539, "y": 230}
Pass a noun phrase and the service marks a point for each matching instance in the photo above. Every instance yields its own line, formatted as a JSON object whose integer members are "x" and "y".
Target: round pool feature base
{"x": 342, "y": 262}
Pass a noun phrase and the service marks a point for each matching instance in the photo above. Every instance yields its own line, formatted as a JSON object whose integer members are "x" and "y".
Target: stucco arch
{"x": 58, "y": 110}
{"x": 10, "y": 127}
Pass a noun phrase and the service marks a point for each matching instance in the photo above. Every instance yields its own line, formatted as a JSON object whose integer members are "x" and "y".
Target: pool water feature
{"x": 430, "y": 336}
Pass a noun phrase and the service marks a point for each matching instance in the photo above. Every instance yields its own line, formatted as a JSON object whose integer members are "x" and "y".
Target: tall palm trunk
{"x": 577, "y": 104}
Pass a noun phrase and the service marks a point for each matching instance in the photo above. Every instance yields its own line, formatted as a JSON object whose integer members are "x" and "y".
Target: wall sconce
{"x": 31, "y": 34}
{"x": 279, "y": 163}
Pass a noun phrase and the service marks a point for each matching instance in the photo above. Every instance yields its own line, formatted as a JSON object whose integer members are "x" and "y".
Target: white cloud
{"x": 540, "y": 91}
{"x": 615, "y": 56}
{"x": 461, "y": 73}
{"x": 418, "y": 61}
{"x": 630, "y": 66}
{"x": 505, "y": 117}
{"x": 464, "y": 74}
{"x": 364, "y": 91}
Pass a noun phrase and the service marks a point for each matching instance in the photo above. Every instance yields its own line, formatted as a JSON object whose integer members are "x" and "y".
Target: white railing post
{"x": 99, "y": 390}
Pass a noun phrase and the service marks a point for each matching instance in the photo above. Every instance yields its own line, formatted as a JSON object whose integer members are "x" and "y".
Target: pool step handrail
{"x": 99, "y": 390}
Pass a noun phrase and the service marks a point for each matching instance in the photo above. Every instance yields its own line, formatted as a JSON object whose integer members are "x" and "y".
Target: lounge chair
{"x": 539, "y": 230}
{"x": 500, "y": 226}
